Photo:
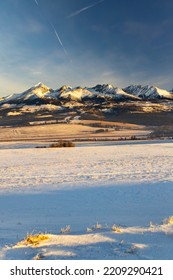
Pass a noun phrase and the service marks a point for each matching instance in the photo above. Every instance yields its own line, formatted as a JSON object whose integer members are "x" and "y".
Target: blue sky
{"x": 113, "y": 41}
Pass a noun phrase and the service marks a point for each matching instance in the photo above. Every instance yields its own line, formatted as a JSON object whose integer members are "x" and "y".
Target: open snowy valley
{"x": 86, "y": 136}
{"x": 108, "y": 200}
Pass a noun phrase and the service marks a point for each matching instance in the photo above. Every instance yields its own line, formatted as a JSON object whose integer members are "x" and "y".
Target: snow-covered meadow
{"x": 115, "y": 198}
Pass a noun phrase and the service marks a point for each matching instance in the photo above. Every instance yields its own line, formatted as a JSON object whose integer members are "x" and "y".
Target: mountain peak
{"x": 39, "y": 89}
{"x": 148, "y": 92}
{"x": 103, "y": 88}
{"x": 39, "y": 84}
{"x": 65, "y": 88}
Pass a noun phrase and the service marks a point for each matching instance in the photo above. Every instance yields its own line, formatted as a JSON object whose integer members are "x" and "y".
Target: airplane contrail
{"x": 85, "y": 8}
{"x": 36, "y": 2}
{"x": 56, "y": 34}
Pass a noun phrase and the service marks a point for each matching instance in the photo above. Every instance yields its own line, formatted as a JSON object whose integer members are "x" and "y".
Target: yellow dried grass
{"x": 35, "y": 239}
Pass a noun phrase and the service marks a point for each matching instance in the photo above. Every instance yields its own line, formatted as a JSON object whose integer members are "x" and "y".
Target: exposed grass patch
{"x": 116, "y": 229}
{"x": 168, "y": 221}
{"x": 35, "y": 239}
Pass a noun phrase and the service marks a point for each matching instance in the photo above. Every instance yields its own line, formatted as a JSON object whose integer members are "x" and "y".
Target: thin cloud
{"x": 85, "y": 8}
{"x": 36, "y": 2}
{"x": 32, "y": 26}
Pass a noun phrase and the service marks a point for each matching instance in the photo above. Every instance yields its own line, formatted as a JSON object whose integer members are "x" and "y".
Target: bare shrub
{"x": 62, "y": 144}
{"x": 66, "y": 229}
{"x": 99, "y": 130}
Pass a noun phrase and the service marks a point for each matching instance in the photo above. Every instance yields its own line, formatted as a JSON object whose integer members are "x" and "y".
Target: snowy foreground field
{"x": 88, "y": 202}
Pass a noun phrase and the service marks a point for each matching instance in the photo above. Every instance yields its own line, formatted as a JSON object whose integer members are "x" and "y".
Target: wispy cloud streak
{"x": 56, "y": 34}
{"x": 85, "y": 8}
{"x": 36, "y": 2}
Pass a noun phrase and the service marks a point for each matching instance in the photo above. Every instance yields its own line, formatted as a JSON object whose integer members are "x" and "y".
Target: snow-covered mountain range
{"x": 42, "y": 94}
{"x": 148, "y": 92}
{"x": 100, "y": 99}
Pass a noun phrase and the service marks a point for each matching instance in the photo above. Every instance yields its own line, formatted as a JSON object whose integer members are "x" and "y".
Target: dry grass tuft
{"x": 67, "y": 229}
{"x": 116, "y": 229}
{"x": 98, "y": 226}
{"x": 38, "y": 257}
{"x": 35, "y": 239}
{"x": 168, "y": 221}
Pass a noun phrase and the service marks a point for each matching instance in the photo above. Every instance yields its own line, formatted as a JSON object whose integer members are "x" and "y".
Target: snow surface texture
{"x": 35, "y": 169}
{"x": 113, "y": 200}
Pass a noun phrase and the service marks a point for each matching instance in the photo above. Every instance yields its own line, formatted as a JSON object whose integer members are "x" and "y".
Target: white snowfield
{"x": 90, "y": 202}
